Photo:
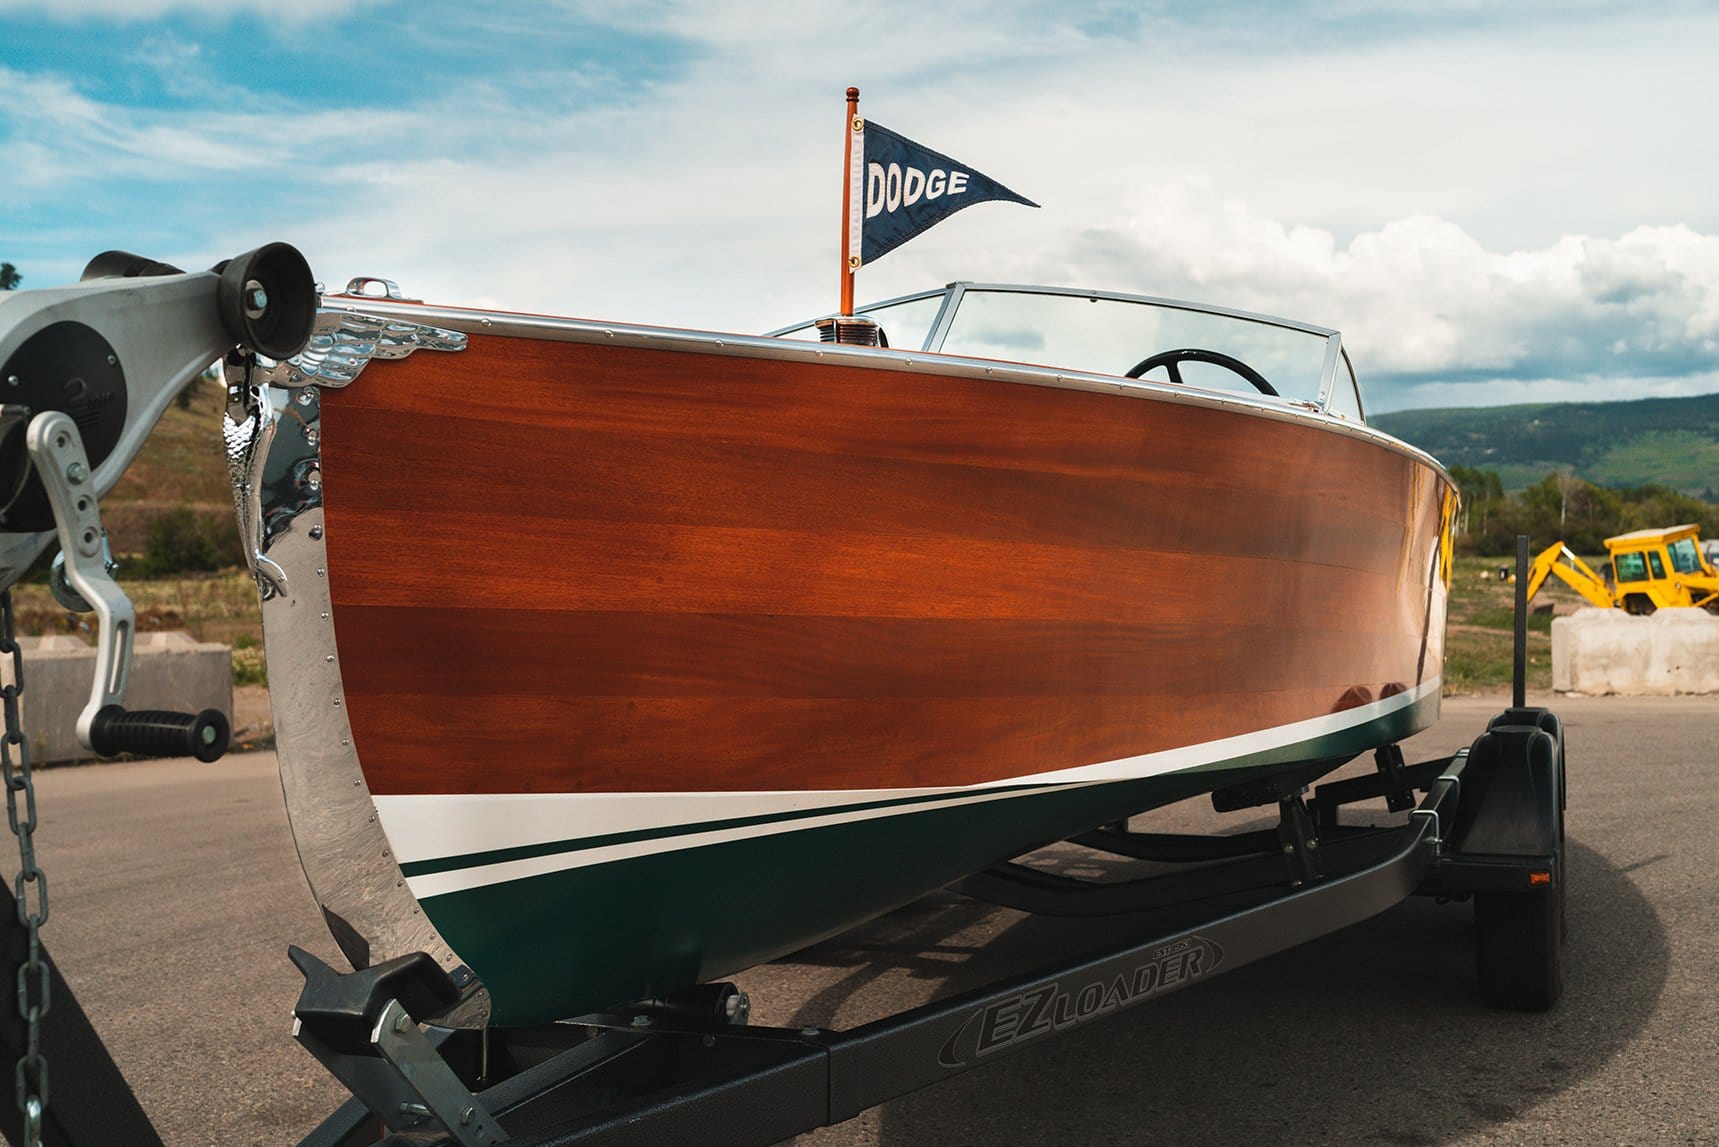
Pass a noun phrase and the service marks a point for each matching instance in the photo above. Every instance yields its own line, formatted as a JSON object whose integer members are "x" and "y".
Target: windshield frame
{"x": 1335, "y": 368}
{"x": 939, "y": 322}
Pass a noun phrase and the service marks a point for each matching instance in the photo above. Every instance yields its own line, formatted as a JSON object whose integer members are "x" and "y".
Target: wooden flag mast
{"x": 854, "y": 125}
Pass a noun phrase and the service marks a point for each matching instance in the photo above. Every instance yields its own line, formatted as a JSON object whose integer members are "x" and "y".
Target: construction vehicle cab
{"x": 1656, "y": 568}
{"x": 1647, "y": 570}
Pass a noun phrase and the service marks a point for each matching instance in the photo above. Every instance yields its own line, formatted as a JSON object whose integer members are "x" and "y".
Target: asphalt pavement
{"x": 176, "y": 890}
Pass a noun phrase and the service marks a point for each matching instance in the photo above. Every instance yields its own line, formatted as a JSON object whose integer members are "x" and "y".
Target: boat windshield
{"x": 1106, "y": 333}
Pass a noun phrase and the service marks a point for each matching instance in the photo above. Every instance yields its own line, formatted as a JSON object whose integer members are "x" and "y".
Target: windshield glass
{"x": 1113, "y": 336}
{"x": 1683, "y": 558}
{"x": 1104, "y": 333}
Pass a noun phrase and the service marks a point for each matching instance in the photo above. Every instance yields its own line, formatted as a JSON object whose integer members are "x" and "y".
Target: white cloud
{"x": 1510, "y": 391}
{"x": 1420, "y": 301}
{"x": 1489, "y": 196}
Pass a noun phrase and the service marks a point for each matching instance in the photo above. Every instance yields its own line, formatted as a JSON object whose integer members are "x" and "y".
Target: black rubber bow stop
{"x": 341, "y": 1009}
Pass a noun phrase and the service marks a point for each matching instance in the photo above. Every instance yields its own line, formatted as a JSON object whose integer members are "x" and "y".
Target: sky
{"x": 1495, "y": 203}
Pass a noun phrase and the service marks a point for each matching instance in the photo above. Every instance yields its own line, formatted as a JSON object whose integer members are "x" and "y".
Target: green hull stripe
{"x": 576, "y": 940}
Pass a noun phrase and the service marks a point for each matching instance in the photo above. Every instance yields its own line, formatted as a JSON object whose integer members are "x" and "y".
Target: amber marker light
{"x": 1538, "y": 878}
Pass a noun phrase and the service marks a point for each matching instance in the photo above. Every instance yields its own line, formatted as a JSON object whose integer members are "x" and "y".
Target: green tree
{"x": 1506, "y": 519}
{"x": 1652, "y": 507}
{"x": 1482, "y": 495}
{"x": 1562, "y": 507}
{"x": 9, "y": 277}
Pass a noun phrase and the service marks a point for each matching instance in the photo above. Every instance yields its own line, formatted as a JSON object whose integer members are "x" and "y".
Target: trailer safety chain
{"x": 31, "y": 1074}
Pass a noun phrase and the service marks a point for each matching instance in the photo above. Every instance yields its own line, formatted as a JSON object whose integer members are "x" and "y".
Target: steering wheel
{"x": 1170, "y": 360}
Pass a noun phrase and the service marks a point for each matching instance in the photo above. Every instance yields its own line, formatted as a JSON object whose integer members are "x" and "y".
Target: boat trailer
{"x": 1486, "y": 826}
{"x": 1483, "y": 825}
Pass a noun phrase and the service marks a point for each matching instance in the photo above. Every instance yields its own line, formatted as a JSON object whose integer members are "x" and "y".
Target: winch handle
{"x": 160, "y": 733}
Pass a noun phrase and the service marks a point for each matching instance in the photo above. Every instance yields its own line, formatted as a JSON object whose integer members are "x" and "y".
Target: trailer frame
{"x": 672, "y": 1072}
{"x": 1488, "y": 829}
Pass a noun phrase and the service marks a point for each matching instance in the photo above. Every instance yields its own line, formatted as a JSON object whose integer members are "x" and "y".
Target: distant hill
{"x": 1668, "y": 441}
{"x": 182, "y": 463}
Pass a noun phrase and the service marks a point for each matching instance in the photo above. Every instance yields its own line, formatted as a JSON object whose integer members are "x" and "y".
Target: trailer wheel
{"x": 1519, "y": 947}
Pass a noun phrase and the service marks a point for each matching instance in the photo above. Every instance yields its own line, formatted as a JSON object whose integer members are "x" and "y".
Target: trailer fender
{"x": 1547, "y": 720}
{"x": 1510, "y": 797}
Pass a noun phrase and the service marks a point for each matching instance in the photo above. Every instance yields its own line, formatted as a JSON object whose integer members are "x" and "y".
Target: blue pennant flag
{"x": 900, "y": 188}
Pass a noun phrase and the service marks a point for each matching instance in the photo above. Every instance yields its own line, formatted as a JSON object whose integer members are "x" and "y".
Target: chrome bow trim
{"x": 343, "y": 343}
{"x": 272, "y": 440}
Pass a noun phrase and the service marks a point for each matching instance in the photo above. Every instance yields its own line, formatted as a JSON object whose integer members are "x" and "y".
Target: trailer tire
{"x": 1519, "y": 947}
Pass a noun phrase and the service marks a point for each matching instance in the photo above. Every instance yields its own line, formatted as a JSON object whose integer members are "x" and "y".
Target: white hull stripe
{"x": 424, "y": 828}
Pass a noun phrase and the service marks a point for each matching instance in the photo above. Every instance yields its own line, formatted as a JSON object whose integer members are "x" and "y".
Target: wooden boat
{"x": 610, "y": 659}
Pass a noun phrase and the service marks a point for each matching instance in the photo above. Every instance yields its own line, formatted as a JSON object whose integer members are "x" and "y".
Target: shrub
{"x": 248, "y": 666}
{"x": 182, "y": 540}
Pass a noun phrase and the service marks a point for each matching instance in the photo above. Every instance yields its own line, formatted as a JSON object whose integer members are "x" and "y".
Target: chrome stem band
{"x": 272, "y": 436}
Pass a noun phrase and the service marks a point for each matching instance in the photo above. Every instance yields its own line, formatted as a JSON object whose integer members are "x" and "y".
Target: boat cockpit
{"x": 1136, "y": 336}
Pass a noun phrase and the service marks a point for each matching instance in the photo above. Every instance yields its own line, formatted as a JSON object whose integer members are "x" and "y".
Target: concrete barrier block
{"x": 168, "y": 671}
{"x": 1598, "y": 651}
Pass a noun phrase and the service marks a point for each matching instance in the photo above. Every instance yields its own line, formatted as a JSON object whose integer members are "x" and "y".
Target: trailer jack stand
{"x": 1300, "y": 845}
{"x": 1399, "y": 792}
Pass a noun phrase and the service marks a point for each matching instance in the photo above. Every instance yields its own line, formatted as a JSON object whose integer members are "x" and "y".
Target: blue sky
{"x": 1495, "y": 202}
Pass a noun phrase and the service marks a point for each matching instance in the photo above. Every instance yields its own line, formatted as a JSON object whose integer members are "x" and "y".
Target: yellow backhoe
{"x": 1646, "y": 570}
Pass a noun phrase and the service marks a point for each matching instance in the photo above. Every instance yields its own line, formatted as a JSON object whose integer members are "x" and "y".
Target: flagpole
{"x": 847, "y": 199}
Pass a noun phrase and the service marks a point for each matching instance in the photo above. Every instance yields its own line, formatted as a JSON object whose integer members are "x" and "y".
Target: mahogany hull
{"x": 663, "y": 661}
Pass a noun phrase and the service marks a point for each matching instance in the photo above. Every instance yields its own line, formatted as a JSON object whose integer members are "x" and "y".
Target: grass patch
{"x": 249, "y": 667}
{"x": 210, "y": 607}
{"x": 1480, "y": 637}
{"x": 220, "y": 607}
{"x": 1479, "y": 661}
{"x": 1505, "y": 618}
